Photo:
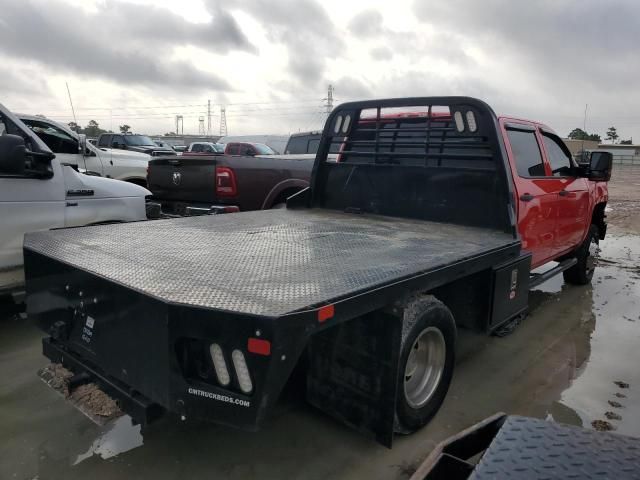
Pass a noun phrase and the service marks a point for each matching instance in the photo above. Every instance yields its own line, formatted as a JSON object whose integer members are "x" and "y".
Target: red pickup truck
{"x": 422, "y": 224}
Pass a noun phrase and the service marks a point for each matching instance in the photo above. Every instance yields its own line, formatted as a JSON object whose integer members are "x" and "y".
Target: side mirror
{"x": 12, "y": 154}
{"x": 600, "y": 166}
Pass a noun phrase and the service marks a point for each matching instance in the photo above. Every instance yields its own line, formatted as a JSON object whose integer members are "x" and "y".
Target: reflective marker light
{"x": 242, "y": 372}
{"x": 219, "y": 364}
{"x": 346, "y": 123}
{"x": 471, "y": 121}
{"x": 336, "y": 128}
{"x": 459, "y": 121}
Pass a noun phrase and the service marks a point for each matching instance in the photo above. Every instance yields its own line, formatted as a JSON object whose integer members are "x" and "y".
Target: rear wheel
{"x": 427, "y": 357}
{"x": 587, "y": 254}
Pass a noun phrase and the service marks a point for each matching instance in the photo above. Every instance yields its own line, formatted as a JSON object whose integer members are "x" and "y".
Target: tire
{"x": 587, "y": 254}
{"x": 427, "y": 360}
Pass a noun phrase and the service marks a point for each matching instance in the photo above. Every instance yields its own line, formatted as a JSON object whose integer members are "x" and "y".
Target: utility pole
{"x": 329, "y": 100}
{"x": 223, "y": 121}
{"x": 209, "y": 117}
{"x": 179, "y": 124}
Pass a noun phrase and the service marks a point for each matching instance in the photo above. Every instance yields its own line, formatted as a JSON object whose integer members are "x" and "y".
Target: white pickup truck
{"x": 71, "y": 148}
{"x": 40, "y": 191}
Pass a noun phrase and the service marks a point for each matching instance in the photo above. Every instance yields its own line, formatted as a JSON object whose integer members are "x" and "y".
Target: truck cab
{"x": 556, "y": 204}
{"x": 72, "y": 148}
{"x": 39, "y": 190}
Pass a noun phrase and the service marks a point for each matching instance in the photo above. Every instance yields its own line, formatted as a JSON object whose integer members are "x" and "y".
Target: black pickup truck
{"x": 196, "y": 184}
{"x": 361, "y": 282}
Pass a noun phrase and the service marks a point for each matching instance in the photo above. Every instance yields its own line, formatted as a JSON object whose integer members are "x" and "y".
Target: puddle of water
{"x": 120, "y": 437}
{"x": 614, "y": 342}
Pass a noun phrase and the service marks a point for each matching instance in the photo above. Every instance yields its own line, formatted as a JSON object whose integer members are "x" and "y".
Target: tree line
{"x": 93, "y": 128}
{"x": 612, "y": 136}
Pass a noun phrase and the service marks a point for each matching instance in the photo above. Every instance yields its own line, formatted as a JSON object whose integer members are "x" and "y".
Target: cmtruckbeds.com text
{"x": 222, "y": 398}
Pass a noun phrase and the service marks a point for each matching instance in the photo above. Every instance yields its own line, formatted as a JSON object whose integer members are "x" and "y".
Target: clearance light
{"x": 219, "y": 364}
{"x": 457, "y": 117}
{"x": 471, "y": 121}
{"x": 325, "y": 313}
{"x": 242, "y": 372}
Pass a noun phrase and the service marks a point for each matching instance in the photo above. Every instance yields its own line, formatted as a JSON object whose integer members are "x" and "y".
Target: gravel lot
{"x": 563, "y": 362}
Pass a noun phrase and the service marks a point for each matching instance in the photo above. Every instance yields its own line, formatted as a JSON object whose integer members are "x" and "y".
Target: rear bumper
{"x": 159, "y": 209}
{"x": 141, "y": 409}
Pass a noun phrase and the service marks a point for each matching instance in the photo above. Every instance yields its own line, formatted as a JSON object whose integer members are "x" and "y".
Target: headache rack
{"x": 434, "y": 158}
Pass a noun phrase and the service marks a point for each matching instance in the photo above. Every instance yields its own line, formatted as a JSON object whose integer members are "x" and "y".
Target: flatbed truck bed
{"x": 276, "y": 262}
{"x": 407, "y": 234}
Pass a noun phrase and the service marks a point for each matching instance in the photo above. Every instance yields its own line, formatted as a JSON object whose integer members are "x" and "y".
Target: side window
{"x": 56, "y": 139}
{"x": 233, "y": 149}
{"x": 559, "y": 158}
{"x": 196, "y": 148}
{"x": 105, "y": 141}
{"x": 297, "y": 145}
{"x": 313, "y": 146}
{"x": 117, "y": 140}
{"x": 207, "y": 148}
{"x": 527, "y": 153}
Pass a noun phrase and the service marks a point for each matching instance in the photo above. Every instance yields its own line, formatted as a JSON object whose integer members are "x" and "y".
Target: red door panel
{"x": 573, "y": 214}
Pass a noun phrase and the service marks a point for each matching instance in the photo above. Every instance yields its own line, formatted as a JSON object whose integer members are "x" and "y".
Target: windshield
{"x": 138, "y": 140}
{"x": 263, "y": 149}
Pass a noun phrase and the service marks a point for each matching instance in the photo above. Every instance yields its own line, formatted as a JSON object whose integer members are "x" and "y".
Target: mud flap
{"x": 353, "y": 373}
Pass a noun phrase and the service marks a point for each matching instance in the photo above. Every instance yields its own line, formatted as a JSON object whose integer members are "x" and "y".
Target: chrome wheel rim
{"x": 424, "y": 367}
{"x": 592, "y": 257}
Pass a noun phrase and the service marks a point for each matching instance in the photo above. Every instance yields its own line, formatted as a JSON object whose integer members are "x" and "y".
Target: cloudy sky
{"x": 142, "y": 62}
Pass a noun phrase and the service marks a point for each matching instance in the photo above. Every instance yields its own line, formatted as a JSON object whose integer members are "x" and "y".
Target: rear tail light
{"x": 242, "y": 372}
{"x": 225, "y": 182}
{"x": 219, "y": 364}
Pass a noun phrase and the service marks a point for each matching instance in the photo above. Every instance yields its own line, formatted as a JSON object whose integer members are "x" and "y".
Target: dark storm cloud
{"x": 303, "y": 27}
{"x": 19, "y": 81}
{"x": 564, "y": 41}
{"x": 119, "y": 42}
{"x": 366, "y": 23}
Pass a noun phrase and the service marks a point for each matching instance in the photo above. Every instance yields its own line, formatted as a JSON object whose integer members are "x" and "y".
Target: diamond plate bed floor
{"x": 266, "y": 262}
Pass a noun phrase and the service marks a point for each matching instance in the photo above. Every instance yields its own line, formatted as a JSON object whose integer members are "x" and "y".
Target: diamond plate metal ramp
{"x": 525, "y": 448}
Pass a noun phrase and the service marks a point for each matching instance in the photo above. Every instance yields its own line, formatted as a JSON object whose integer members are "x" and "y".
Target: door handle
{"x": 527, "y": 197}
{"x": 563, "y": 193}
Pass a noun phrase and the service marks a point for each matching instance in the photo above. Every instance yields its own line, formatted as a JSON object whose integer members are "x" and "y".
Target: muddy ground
{"x": 563, "y": 362}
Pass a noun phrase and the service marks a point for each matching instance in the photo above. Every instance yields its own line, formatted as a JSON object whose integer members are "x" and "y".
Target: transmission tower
{"x": 179, "y": 125}
{"x": 209, "y": 117}
{"x": 200, "y": 125}
{"x": 223, "y": 121}
{"x": 329, "y": 100}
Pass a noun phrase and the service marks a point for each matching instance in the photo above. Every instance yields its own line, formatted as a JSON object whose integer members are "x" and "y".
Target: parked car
{"x": 427, "y": 223}
{"x": 303, "y": 142}
{"x": 39, "y": 190}
{"x": 276, "y": 142}
{"x": 248, "y": 149}
{"x": 308, "y": 142}
{"x": 133, "y": 142}
{"x": 179, "y": 148}
{"x": 204, "y": 148}
{"x": 73, "y": 149}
